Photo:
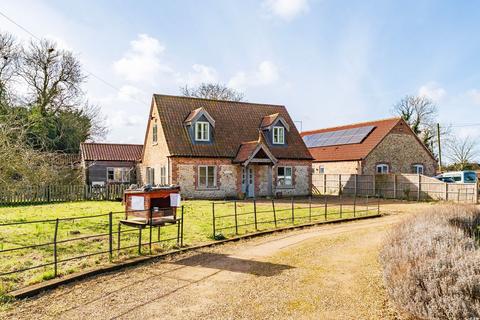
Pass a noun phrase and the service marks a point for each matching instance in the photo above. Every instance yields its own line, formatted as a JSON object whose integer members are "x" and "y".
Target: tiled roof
{"x": 235, "y": 123}
{"x": 358, "y": 151}
{"x": 268, "y": 120}
{"x": 245, "y": 151}
{"x": 111, "y": 151}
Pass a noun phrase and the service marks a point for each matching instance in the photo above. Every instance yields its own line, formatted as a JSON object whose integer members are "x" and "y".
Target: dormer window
{"x": 278, "y": 135}
{"x": 202, "y": 131}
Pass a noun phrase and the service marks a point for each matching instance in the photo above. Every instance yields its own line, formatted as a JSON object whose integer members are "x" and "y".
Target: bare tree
{"x": 214, "y": 91}
{"x": 9, "y": 54}
{"x": 462, "y": 151}
{"x": 54, "y": 77}
{"x": 420, "y": 113}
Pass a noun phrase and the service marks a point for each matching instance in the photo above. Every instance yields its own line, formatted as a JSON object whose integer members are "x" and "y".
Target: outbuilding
{"x": 375, "y": 147}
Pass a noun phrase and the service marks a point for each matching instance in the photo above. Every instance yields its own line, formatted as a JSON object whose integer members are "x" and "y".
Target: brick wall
{"x": 400, "y": 150}
{"x": 155, "y": 154}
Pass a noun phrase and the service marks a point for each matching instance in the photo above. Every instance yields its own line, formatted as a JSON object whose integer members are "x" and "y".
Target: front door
{"x": 248, "y": 181}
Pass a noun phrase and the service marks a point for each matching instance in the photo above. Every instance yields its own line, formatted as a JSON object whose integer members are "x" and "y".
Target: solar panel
{"x": 339, "y": 137}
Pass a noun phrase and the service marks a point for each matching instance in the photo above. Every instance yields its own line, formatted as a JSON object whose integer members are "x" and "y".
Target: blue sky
{"x": 329, "y": 62}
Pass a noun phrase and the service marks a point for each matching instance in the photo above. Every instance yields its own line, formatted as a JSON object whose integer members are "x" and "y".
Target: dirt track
{"x": 326, "y": 272}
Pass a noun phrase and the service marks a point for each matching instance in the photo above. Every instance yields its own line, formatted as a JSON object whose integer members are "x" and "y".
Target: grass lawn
{"x": 197, "y": 229}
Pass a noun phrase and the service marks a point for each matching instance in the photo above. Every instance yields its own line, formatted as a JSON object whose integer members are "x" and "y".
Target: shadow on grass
{"x": 233, "y": 264}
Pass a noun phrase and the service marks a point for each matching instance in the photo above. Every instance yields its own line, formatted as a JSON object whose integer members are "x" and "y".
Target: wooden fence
{"x": 395, "y": 186}
{"x": 61, "y": 193}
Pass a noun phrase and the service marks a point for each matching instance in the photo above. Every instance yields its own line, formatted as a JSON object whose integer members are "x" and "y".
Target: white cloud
{"x": 201, "y": 73}
{"x": 433, "y": 91}
{"x": 142, "y": 62}
{"x": 266, "y": 73}
{"x": 286, "y": 9}
{"x": 474, "y": 95}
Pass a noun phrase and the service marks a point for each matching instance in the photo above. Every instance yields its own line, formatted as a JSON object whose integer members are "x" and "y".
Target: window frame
{"x": 283, "y": 177}
{"x": 150, "y": 172}
{"x": 321, "y": 169}
{"x": 382, "y": 165}
{"x": 276, "y": 136}
{"x": 163, "y": 175}
{"x": 123, "y": 172}
{"x": 155, "y": 133}
{"x": 204, "y": 134}
{"x": 206, "y": 185}
{"x": 416, "y": 166}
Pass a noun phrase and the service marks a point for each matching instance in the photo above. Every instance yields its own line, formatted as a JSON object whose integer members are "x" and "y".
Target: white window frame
{"x": 202, "y": 131}
{"x": 155, "y": 133}
{"x": 163, "y": 175}
{"x": 207, "y": 185}
{"x": 418, "y": 166}
{"x": 120, "y": 174}
{"x": 285, "y": 180}
{"x": 384, "y": 168}
{"x": 278, "y": 135}
{"x": 321, "y": 169}
{"x": 150, "y": 174}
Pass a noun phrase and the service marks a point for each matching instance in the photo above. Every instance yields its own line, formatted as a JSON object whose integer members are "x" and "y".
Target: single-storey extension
{"x": 224, "y": 149}
{"x": 375, "y": 147}
{"x": 109, "y": 163}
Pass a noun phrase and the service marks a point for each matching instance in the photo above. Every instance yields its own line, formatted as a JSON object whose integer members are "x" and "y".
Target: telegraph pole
{"x": 439, "y": 149}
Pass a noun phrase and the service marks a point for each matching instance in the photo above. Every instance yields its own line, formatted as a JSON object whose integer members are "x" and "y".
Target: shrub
{"x": 432, "y": 264}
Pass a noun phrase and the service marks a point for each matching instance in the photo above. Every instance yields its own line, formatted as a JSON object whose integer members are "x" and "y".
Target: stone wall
{"x": 185, "y": 174}
{"x": 155, "y": 154}
{"x": 400, "y": 150}
{"x": 345, "y": 167}
{"x": 302, "y": 178}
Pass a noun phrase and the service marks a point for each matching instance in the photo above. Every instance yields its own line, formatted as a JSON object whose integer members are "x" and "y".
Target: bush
{"x": 432, "y": 264}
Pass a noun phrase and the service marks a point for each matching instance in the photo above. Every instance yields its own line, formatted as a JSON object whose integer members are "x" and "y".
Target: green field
{"x": 197, "y": 229}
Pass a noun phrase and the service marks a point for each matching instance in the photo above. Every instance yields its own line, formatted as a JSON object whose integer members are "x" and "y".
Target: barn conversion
{"x": 375, "y": 147}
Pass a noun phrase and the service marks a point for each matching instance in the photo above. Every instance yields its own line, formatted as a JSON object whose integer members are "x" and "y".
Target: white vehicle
{"x": 459, "y": 176}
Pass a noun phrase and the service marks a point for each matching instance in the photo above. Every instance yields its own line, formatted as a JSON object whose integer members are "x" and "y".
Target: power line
{"x": 143, "y": 103}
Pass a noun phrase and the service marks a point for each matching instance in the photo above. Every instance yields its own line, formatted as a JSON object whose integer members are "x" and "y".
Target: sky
{"x": 329, "y": 62}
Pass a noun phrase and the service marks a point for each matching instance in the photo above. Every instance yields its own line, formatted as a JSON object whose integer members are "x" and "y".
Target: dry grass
{"x": 432, "y": 264}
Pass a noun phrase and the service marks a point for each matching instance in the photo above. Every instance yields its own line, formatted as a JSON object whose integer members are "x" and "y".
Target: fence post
{"x": 213, "y": 215}
{"x": 55, "y": 258}
{"x": 310, "y": 209}
{"x": 446, "y": 191}
{"x": 150, "y": 222}
{"x": 181, "y": 233}
{"x": 274, "y": 213}
{"x": 293, "y": 211}
{"x": 374, "y": 178}
{"x": 341, "y": 206}
{"x": 236, "y": 218}
{"x": 326, "y": 207}
{"x": 356, "y": 181}
{"x": 255, "y": 213}
{"x": 419, "y": 187}
{"x": 118, "y": 238}
{"x": 378, "y": 205}
{"x": 110, "y": 235}
{"x": 339, "y": 184}
{"x": 139, "y": 241}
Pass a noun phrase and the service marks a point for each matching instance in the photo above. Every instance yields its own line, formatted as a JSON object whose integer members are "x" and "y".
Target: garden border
{"x": 36, "y": 289}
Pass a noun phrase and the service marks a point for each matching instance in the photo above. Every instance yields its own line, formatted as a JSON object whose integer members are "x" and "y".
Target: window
{"x": 382, "y": 168}
{"x": 155, "y": 132}
{"x": 163, "y": 175}
{"x": 207, "y": 176}
{"x": 202, "y": 131}
{"x": 284, "y": 176}
{"x": 278, "y": 135}
{"x": 150, "y": 173}
{"x": 321, "y": 169}
{"x": 418, "y": 168}
{"x": 121, "y": 175}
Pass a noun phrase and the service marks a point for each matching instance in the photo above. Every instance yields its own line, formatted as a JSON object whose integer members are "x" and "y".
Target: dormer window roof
{"x": 197, "y": 114}
{"x": 272, "y": 120}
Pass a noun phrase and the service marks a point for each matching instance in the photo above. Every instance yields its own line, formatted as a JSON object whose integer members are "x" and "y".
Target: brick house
{"x": 109, "y": 163}
{"x": 220, "y": 149}
{"x": 376, "y": 147}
